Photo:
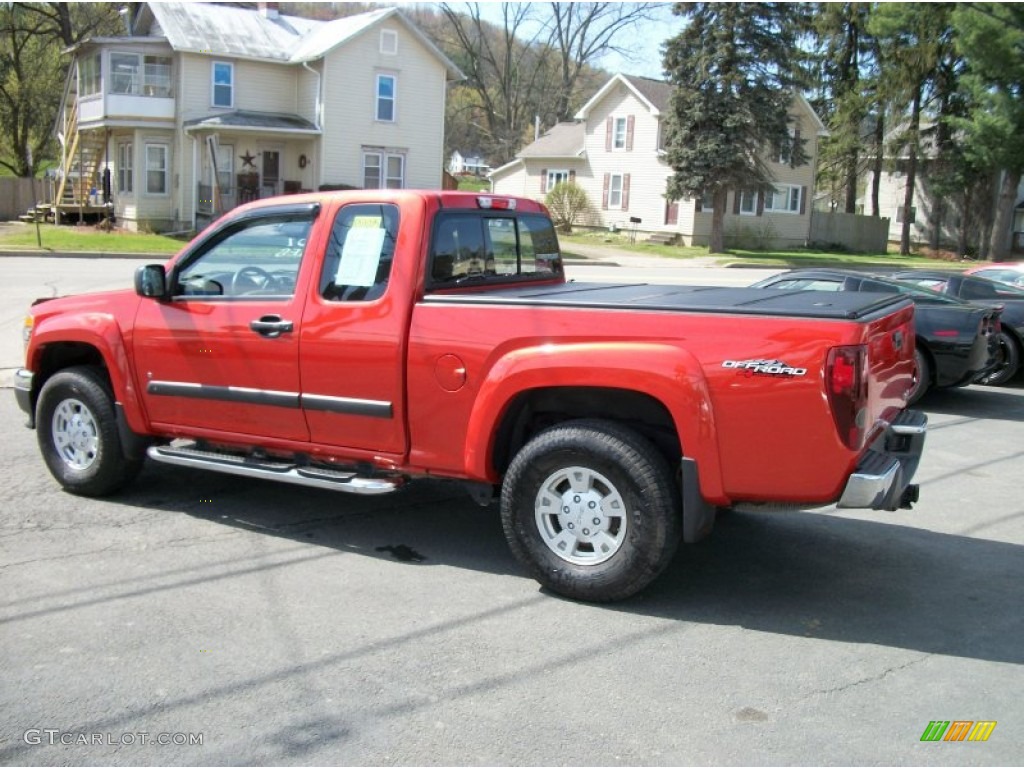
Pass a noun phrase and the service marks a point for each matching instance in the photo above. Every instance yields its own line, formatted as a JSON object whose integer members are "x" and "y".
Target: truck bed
{"x": 835, "y": 305}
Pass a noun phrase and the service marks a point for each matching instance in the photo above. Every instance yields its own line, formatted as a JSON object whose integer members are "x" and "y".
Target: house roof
{"x": 224, "y": 30}
{"x": 653, "y": 93}
{"x": 255, "y": 121}
{"x": 562, "y": 140}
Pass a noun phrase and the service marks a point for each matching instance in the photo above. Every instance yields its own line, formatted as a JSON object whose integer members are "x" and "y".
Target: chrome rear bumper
{"x": 883, "y": 475}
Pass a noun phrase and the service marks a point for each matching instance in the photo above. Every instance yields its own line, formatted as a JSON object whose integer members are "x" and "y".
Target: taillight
{"x": 846, "y": 382}
{"x": 496, "y": 203}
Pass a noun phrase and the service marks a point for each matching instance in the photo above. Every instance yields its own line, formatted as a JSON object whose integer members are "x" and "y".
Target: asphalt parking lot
{"x": 284, "y": 625}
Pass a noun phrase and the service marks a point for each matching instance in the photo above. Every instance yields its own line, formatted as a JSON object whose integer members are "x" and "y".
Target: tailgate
{"x": 890, "y": 345}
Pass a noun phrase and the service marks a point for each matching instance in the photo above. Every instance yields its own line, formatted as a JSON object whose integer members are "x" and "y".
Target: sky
{"x": 643, "y": 42}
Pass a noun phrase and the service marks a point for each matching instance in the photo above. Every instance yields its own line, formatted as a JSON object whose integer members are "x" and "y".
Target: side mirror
{"x": 151, "y": 281}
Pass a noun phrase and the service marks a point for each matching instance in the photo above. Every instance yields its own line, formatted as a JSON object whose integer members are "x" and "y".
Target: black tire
{"x": 1009, "y": 363}
{"x": 615, "y": 471}
{"x": 77, "y": 432}
{"x": 923, "y": 373}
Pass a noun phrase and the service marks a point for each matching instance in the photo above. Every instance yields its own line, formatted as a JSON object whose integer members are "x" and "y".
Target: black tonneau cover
{"x": 836, "y": 305}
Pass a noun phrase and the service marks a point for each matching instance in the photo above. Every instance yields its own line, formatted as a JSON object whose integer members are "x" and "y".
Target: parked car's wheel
{"x": 923, "y": 376}
{"x": 1008, "y": 355}
{"x": 591, "y": 510}
{"x": 77, "y": 433}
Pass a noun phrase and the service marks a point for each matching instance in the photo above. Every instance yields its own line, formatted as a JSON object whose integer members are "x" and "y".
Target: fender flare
{"x": 664, "y": 372}
{"x": 100, "y": 331}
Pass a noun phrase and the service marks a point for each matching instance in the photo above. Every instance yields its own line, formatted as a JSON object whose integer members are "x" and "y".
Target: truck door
{"x": 222, "y": 353}
{"x": 354, "y": 328}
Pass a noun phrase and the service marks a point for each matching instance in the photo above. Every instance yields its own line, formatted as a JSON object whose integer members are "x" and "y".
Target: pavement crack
{"x": 872, "y": 678}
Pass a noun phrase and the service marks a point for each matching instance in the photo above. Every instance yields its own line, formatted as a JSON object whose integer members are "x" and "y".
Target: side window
{"x": 470, "y": 247}
{"x": 255, "y": 258}
{"x": 458, "y": 249}
{"x": 357, "y": 264}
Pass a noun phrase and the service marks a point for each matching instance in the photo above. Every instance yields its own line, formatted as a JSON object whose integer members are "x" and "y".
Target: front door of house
{"x": 271, "y": 173}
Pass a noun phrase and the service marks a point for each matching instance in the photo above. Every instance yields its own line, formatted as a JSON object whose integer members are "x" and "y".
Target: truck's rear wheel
{"x": 591, "y": 510}
{"x": 77, "y": 432}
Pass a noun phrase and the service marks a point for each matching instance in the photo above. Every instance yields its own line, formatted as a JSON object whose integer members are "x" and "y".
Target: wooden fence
{"x": 863, "y": 234}
{"x": 17, "y": 196}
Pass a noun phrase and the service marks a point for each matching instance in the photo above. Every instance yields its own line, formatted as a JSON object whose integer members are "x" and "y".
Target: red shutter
{"x": 760, "y": 203}
{"x": 604, "y": 194}
{"x": 625, "y": 192}
{"x": 629, "y": 133}
{"x": 608, "y": 135}
{"x": 672, "y": 212}
{"x": 736, "y": 202}
{"x": 543, "y": 180}
{"x": 803, "y": 200}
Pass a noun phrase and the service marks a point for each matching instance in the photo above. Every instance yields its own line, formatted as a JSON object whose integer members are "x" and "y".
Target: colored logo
{"x": 958, "y": 730}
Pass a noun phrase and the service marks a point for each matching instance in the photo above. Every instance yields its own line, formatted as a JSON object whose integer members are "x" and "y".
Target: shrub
{"x": 568, "y": 203}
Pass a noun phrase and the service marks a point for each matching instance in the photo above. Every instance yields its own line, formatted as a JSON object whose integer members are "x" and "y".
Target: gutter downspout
{"x": 316, "y": 122}
{"x": 195, "y": 176}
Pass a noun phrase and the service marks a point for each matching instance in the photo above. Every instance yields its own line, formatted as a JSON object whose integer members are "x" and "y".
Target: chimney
{"x": 126, "y": 17}
{"x": 268, "y": 10}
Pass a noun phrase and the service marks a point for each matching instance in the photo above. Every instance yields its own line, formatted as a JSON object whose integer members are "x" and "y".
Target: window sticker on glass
{"x": 367, "y": 222}
{"x": 360, "y": 256}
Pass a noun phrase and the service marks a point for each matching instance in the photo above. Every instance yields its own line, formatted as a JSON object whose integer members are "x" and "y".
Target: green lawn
{"x": 86, "y": 239}
{"x": 790, "y": 258}
{"x": 474, "y": 184}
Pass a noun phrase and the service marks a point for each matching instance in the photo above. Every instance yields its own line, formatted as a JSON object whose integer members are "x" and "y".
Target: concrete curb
{"x": 35, "y": 252}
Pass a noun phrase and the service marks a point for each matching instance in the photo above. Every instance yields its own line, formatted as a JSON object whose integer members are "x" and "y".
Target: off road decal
{"x": 774, "y": 368}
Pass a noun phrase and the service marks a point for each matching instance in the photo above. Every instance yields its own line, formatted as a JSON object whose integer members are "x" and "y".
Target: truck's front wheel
{"x": 590, "y": 509}
{"x": 78, "y": 436}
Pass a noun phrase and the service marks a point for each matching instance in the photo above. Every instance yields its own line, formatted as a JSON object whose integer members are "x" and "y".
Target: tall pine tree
{"x": 734, "y": 72}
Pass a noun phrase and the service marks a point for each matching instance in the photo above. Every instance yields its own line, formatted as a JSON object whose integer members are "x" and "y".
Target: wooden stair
{"x": 83, "y": 155}
{"x": 663, "y": 238}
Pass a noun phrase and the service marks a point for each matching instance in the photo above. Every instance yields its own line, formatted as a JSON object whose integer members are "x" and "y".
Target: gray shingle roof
{"x": 262, "y": 121}
{"x": 655, "y": 91}
{"x": 561, "y": 140}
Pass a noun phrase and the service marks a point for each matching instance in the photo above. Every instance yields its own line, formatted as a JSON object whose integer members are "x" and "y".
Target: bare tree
{"x": 583, "y": 32}
{"x": 506, "y": 65}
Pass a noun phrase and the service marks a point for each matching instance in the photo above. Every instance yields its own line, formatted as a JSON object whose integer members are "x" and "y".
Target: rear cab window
{"x": 473, "y": 248}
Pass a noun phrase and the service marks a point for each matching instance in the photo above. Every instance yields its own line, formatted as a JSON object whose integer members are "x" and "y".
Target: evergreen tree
{"x": 846, "y": 96}
{"x": 734, "y": 71}
{"x": 991, "y": 37}
{"x": 917, "y": 39}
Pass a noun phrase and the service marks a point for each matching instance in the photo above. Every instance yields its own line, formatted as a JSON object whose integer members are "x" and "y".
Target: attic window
{"x": 389, "y": 42}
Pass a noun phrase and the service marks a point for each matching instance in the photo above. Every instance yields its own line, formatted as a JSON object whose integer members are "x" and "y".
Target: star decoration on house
{"x": 247, "y": 159}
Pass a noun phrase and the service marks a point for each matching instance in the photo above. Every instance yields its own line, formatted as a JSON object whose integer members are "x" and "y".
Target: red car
{"x": 1010, "y": 273}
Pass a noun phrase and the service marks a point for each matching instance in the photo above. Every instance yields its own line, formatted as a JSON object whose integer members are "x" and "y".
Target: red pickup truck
{"x": 356, "y": 340}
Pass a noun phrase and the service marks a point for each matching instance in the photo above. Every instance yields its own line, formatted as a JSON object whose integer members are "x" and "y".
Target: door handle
{"x": 272, "y": 326}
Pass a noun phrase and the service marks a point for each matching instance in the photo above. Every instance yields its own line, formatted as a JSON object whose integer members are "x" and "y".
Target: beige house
{"x": 614, "y": 152}
{"x": 949, "y": 218}
{"x": 201, "y": 107}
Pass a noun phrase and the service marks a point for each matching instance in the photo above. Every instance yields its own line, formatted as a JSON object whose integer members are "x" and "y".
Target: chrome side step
{"x": 269, "y": 469}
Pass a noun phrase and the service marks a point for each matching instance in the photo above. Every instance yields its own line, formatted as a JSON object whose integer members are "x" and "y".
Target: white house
{"x": 472, "y": 163}
{"x": 201, "y": 107}
{"x": 614, "y": 152}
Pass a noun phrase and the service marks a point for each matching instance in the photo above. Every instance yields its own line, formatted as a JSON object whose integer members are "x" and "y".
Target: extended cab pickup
{"x": 355, "y": 340}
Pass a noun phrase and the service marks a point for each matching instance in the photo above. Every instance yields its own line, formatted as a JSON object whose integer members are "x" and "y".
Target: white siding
{"x": 258, "y": 86}
{"x": 647, "y": 172}
{"x": 350, "y": 76}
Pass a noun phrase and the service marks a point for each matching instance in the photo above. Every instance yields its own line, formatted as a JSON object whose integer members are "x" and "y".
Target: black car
{"x": 956, "y": 341}
{"x": 980, "y": 290}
